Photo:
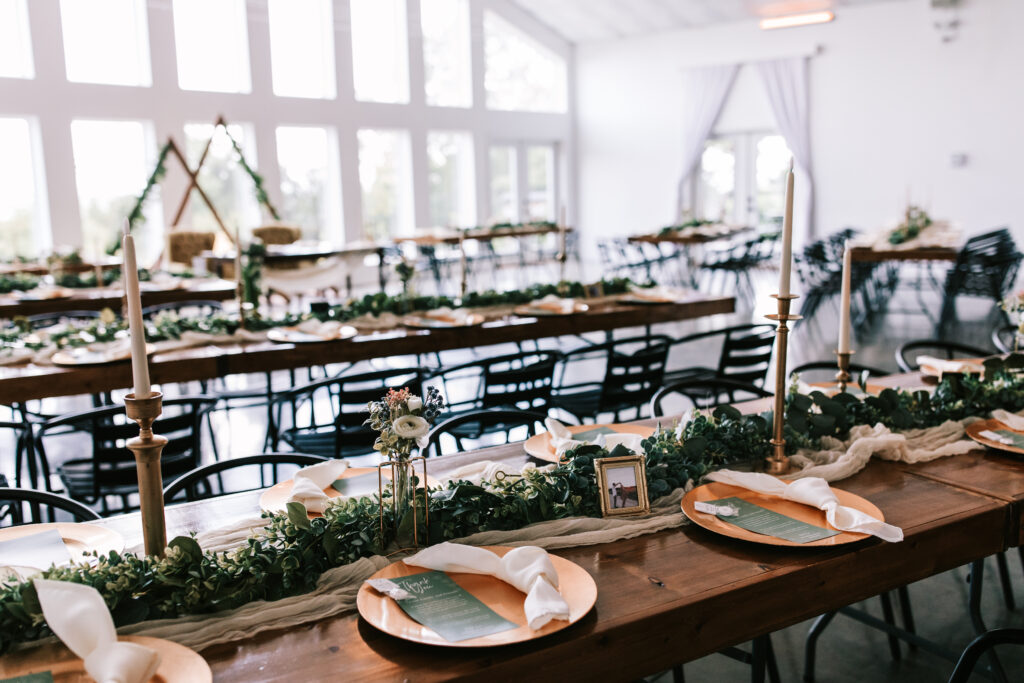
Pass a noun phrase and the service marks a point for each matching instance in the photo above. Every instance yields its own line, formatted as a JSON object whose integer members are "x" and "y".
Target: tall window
{"x": 212, "y": 43}
{"x": 112, "y": 161}
{"x": 302, "y": 48}
{"x": 222, "y": 178}
{"x": 385, "y": 176}
{"x": 540, "y": 181}
{"x": 451, "y": 179}
{"x": 446, "y": 53}
{"x": 23, "y": 201}
{"x": 309, "y": 181}
{"x": 106, "y": 41}
{"x": 15, "y": 46}
{"x": 520, "y": 74}
{"x": 742, "y": 179}
{"x": 380, "y": 51}
{"x": 504, "y": 189}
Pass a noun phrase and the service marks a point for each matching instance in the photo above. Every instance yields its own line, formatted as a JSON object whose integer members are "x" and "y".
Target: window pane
{"x": 22, "y": 203}
{"x": 15, "y": 45}
{"x": 302, "y": 48}
{"x": 446, "y": 57}
{"x": 212, "y": 45}
{"x": 452, "y": 181}
{"x": 772, "y": 165}
{"x": 386, "y": 179}
{"x": 520, "y": 73}
{"x": 540, "y": 182}
{"x": 309, "y": 181}
{"x": 112, "y": 161}
{"x": 106, "y": 41}
{"x": 380, "y": 53}
{"x": 228, "y": 186}
{"x": 717, "y": 199}
{"x": 503, "y": 184}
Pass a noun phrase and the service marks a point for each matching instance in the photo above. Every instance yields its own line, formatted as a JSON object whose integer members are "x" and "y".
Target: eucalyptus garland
{"x": 159, "y": 171}
{"x": 18, "y": 282}
{"x": 914, "y": 221}
{"x": 678, "y": 227}
{"x": 257, "y": 179}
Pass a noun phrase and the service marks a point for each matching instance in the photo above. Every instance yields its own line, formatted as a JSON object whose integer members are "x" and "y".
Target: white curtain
{"x": 785, "y": 81}
{"x": 704, "y": 93}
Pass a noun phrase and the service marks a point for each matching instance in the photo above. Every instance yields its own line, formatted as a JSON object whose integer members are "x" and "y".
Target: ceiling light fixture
{"x": 792, "y": 20}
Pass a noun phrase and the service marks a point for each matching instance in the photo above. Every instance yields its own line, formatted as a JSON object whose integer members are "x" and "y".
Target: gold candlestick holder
{"x": 843, "y": 375}
{"x": 778, "y": 461}
{"x": 147, "y": 448}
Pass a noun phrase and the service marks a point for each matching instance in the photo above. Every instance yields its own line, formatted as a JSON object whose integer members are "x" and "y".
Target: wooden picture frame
{"x": 594, "y": 290}
{"x": 622, "y": 485}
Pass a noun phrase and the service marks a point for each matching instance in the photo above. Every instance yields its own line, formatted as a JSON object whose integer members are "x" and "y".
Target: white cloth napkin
{"x": 115, "y": 350}
{"x": 487, "y": 470}
{"x": 630, "y": 441}
{"x": 456, "y": 316}
{"x": 78, "y": 616}
{"x": 555, "y": 304}
{"x": 309, "y": 483}
{"x": 329, "y": 329}
{"x": 1011, "y": 420}
{"x": 561, "y": 437}
{"x": 943, "y": 365}
{"x": 813, "y": 491}
{"x": 10, "y": 356}
{"x": 527, "y": 568}
{"x": 658, "y": 293}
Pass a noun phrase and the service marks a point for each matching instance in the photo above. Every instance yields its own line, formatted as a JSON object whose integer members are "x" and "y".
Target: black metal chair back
{"x": 208, "y": 481}
{"x": 747, "y": 353}
{"x": 27, "y": 506}
{"x": 198, "y": 307}
{"x": 906, "y": 354}
{"x": 474, "y": 424}
{"x": 829, "y": 368}
{"x": 518, "y": 380}
{"x": 1006, "y": 338}
{"x": 41, "y": 320}
{"x": 110, "y": 469}
{"x": 986, "y": 266}
{"x": 706, "y": 393}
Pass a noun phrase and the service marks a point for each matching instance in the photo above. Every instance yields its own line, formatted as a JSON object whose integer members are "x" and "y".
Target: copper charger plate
{"x": 84, "y": 356}
{"x": 81, "y": 539}
{"x": 275, "y": 499}
{"x": 805, "y": 513}
{"x": 574, "y": 582}
{"x": 975, "y": 428}
{"x": 293, "y": 335}
{"x": 178, "y": 664}
{"x": 531, "y": 310}
{"x": 427, "y": 322}
{"x": 539, "y": 446}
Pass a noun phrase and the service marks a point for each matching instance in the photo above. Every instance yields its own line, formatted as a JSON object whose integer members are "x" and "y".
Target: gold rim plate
{"x": 81, "y": 539}
{"x": 534, "y": 311}
{"x": 975, "y": 428}
{"x": 805, "y": 513}
{"x": 426, "y": 322}
{"x": 539, "y": 446}
{"x": 178, "y": 664}
{"x": 575, "y": 584}
{"x": 292, "y": 335}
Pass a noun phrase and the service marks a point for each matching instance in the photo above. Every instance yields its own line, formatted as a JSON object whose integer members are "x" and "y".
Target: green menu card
{"x": 770, "y": 523}
{"x": 1016, "y": 438}
{"x": 42, "y": 677}
{"x": 360, "y": 485}
{"x": 591, "y": 434}
{"x": 440, "y": 604}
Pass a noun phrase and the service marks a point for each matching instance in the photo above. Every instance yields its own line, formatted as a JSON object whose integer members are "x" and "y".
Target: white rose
{"x": 410, "y": 427}
{"x": 414, "y": 403}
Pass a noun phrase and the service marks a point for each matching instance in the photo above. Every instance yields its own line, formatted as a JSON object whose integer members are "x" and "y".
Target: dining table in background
{"x": 42, "y": 268}
{"x": 19, "y": 383}
{"x": 429, "y": 238}
{"x": 692, "y": 236}
{"x": 663, "y": 598}
{"x": 873, "y": 255}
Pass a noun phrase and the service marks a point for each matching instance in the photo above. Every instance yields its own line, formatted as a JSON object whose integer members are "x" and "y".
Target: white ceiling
{"x": 582, "y": 21}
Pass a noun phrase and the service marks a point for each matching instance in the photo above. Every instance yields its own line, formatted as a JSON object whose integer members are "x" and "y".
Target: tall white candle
{"x": 136, "y": 329}
{"x": 787, "y": 236}
{"x": 844, "y": 306}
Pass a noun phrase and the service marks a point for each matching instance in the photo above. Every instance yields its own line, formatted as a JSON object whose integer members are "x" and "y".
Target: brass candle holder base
{"x": 843, "y": 375}
{"x": 147, "y": 448}
{"x": 778, "y": 461}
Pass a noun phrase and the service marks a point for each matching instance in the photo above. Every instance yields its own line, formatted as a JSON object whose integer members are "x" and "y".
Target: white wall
{"x": 890, "y": 104}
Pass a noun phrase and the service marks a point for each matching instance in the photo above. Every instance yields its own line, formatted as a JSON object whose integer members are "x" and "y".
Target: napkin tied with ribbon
{"x": 527, "y": 568}
{"x": 309, "y": 483}
{"x": 562, "y": 439}
{"x": 555, "y": 304}
{"x": 78, "y": 616}
{"x": 813, "y": 491}
{"x": 951, "y": 366}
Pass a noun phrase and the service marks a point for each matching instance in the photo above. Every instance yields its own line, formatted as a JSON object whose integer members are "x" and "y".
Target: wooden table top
{"x": 290, "y": 253}
{"x": 663, "y": 598}
{"x": 869, "y": 254}
{"x": 481, "y": 235}
{"x": 31, "y": 381}
{"x": 96, "y": 299}
{"x": 685, "y": 238}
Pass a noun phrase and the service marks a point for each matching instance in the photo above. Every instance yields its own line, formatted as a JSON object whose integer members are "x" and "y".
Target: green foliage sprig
{"x": 914, "y": 221}
{"x": 257, "y": 179}
{"x": 18, "y": 282}
{"x": 678, "y": 227}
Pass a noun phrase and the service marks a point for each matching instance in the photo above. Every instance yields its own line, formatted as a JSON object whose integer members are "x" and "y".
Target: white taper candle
{"x": 136, "y": 328}
{"x": 787, "y": 236}
{"x": 844, "y": 306}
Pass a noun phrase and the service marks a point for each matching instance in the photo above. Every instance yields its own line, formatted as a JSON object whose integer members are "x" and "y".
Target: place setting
{"x": 312, "y": 331}
{"x": 552, "y": 444}
{"x": 443, "y": 318}
{"x": 551, "y": 305}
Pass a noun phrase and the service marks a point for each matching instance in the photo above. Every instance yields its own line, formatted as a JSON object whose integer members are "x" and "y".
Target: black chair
{"x": 706, "y": 393}
{"x": 634, "y": 368}
{"x": 477, "y": 423}
{"x": 986, "y": 267}
{"x": 342, "y": 432}
{"x": 41, "y": 320}
{"x": 745, "y": 357}
{"x": 22, "y": 434}
{"x": 1006, "y": 338}
{"x": 979, "y": 646}
{"x": 207, "y": 481}
{"x": 830, "y": 368}
{"x": 110, "y": 469}
{"x": 14, "y": 502}
{"x": 198, "y": 307}
{"x": 519, "y": 380}
{"x": 907, "y": 353}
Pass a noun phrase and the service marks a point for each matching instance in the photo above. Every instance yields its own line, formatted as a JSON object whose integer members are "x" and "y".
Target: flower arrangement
{"x": 403, "y": 420}
{"x": 914, "y": 221}
{"x": 1014, "y": 306}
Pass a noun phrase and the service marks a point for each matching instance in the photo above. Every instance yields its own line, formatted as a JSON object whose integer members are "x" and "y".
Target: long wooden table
{"x": 871, "y": 255}
{"x": 689, "y": 238}
{"x": 96, "y": 299}
{"x": 28, "y": 382}
{"x": 663, "y": 598}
